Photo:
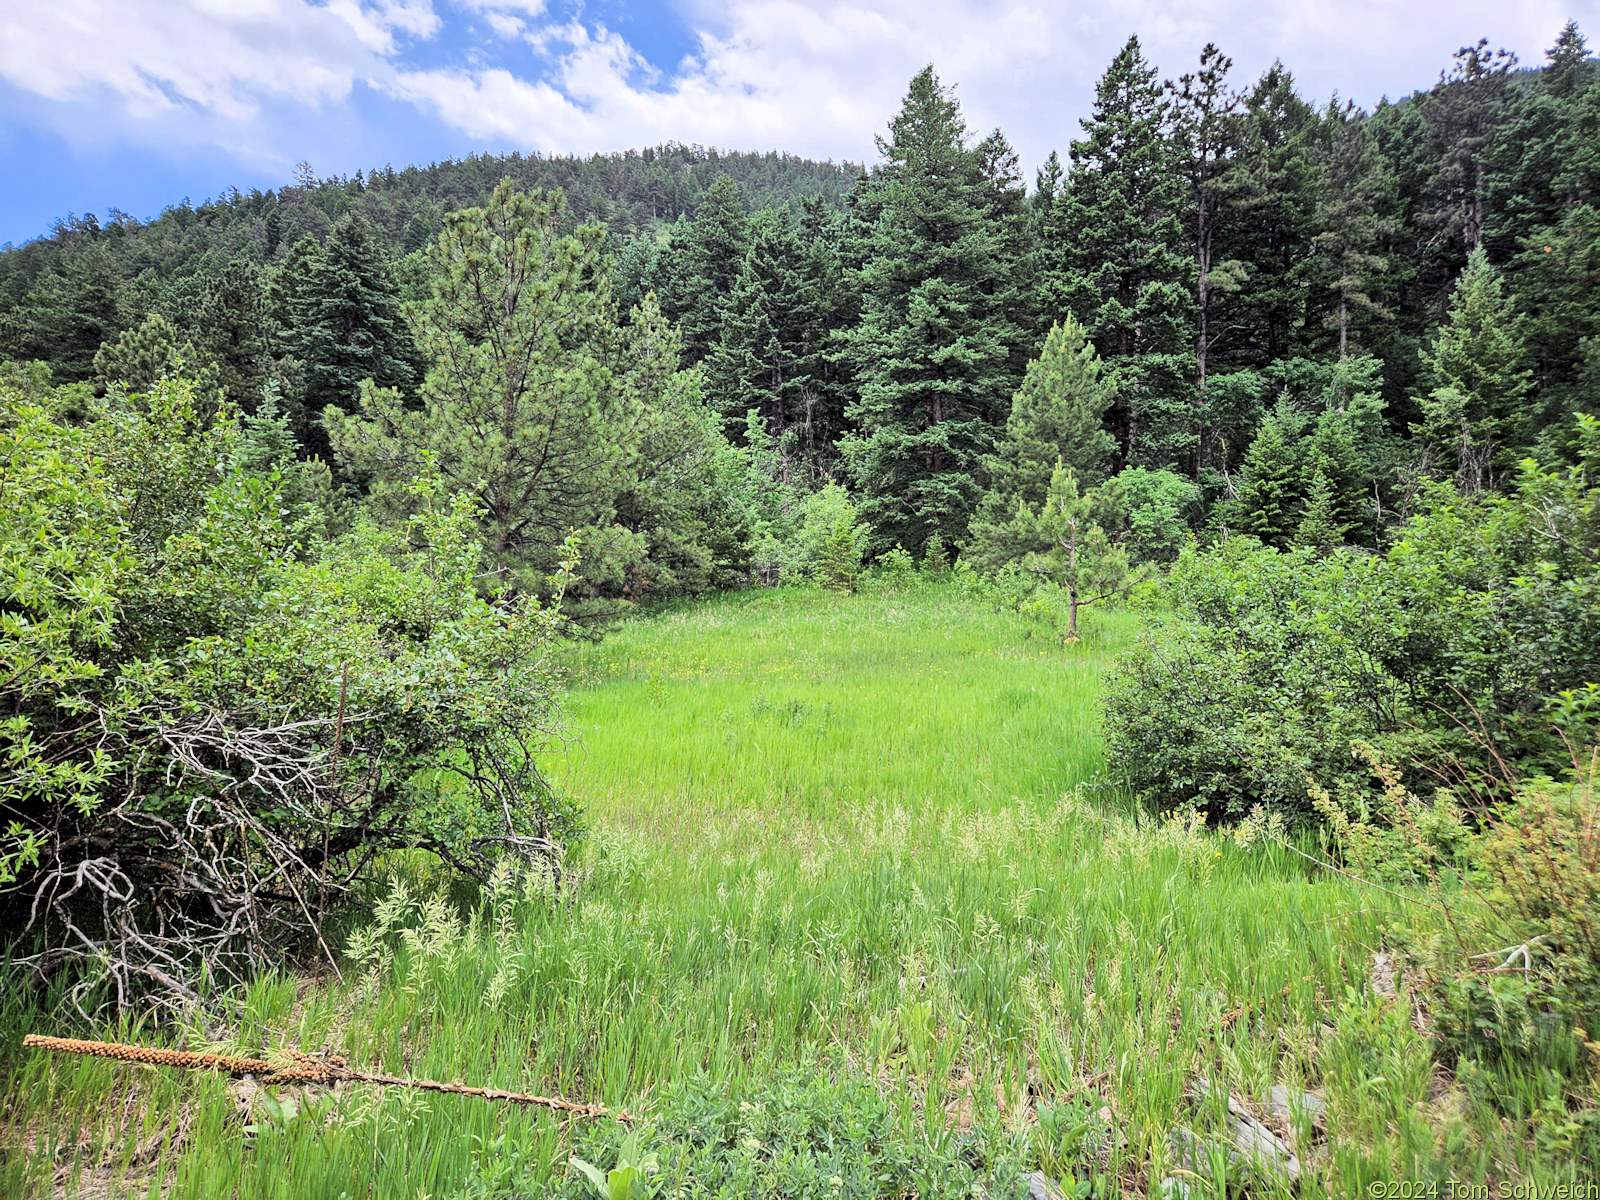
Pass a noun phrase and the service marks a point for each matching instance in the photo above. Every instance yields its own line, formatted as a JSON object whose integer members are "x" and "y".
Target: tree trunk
{"x": 1072, "y": 580}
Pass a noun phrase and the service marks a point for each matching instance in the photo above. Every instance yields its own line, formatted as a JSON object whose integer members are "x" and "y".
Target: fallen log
{"x": 295, "y": 1067}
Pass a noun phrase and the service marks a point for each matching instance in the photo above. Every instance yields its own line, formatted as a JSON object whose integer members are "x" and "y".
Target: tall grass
{"x": 860, "y": 833}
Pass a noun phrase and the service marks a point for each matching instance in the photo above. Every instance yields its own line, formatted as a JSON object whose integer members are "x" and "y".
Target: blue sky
{"x": 137, "y": 104}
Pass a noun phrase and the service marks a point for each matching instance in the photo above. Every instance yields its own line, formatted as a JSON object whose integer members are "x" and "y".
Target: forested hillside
{"x": 1243, "y": 259}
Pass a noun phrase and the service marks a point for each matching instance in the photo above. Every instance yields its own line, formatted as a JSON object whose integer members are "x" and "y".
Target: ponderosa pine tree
{"x": 1059, "y": 541}
{"x": 934, "y": 348}
{"x": 523, "y": 407}
{"x": 1121, "y": 268}
{"x": 138, "y": 358}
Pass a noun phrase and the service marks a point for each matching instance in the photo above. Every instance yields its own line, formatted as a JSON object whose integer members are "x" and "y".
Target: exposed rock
{"x": 1042, "y": 1187}
{"x": 1252, "y": 1141}
{"x": 1283, "y": 1102}
{"x": 1380, "y": 976}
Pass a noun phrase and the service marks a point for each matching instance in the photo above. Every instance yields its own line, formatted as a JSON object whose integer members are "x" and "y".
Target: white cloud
{"x": 219, "y": 56}
{"x": 816, "y": 77}
{"x": 822, "y": 76}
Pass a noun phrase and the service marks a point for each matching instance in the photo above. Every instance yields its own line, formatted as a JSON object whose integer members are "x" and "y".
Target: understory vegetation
{"x": 940, "y": 957}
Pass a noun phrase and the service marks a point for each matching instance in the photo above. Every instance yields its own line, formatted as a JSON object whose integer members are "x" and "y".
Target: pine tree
{"x": 523, "y": 408}
{"x": 1059, "y": 541}
{"x": 1268, "y": 496}
{"x": 1120, "y": 267}
{"x": 1481, "y": 380}
{"x": 1057, "y": 416}
{"x": 936, "y": 342}
{"x": 153, "y": 350}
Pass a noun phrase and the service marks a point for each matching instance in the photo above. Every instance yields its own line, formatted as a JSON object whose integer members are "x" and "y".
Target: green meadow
{"x": 856, "y": 915}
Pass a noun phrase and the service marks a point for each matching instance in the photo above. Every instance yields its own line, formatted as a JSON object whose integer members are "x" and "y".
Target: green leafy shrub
{"x": 1442, "y": 653}
{"x": 215, "y": 718}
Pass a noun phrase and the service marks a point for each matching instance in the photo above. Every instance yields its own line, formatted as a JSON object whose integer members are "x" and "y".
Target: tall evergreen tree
{"x": 936, "y": 342}
{"x": 523, "y": 408}
{"x": 341, "y": 314}
{"x": 1353, "y": 217}
{"x": 1545, "y": 160}
{"x": 1121, "y": 269}
{"x": 706, "y": 256}
{"x": 1206, "y": 132}
{"x": 233, "y": 329}
{"x": 1463, "y": 113}
{"x": 68, "y": 312}
{"x": 1271, "y": 187}
{"x": 756, "y": 362}
{"x": 1057, "y": 416}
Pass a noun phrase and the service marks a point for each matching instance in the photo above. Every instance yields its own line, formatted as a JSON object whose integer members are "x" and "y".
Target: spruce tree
{"x": 935, "y": 347}
{"x": 341, "y": 317}
{"x": 1120, "y": 267}
{"x": 68, "y": 312}
{"x": 1320, "y": 527}
{"x": 1330, "y": 455}
{"x": 1269, "y": 499}
{"x": 707, "y": 256}
{"x": 1471, "y": 418}
{"x": 233, "y": 329}
{"x": 1271, "y": 187}
{"x": 757, "y": 362}
{"x": 1206, "y": 133}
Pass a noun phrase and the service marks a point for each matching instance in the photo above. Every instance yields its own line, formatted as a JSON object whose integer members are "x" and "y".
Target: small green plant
{"x": 896, "y": 569}
{"x": 630, "y": 1179}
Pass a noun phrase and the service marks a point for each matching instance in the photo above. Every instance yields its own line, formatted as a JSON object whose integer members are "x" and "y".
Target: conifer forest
{"x": 907, "y": 679}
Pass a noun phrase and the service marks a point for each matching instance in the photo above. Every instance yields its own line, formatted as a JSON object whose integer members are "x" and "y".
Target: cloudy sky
{"x": 136, "y": 104}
